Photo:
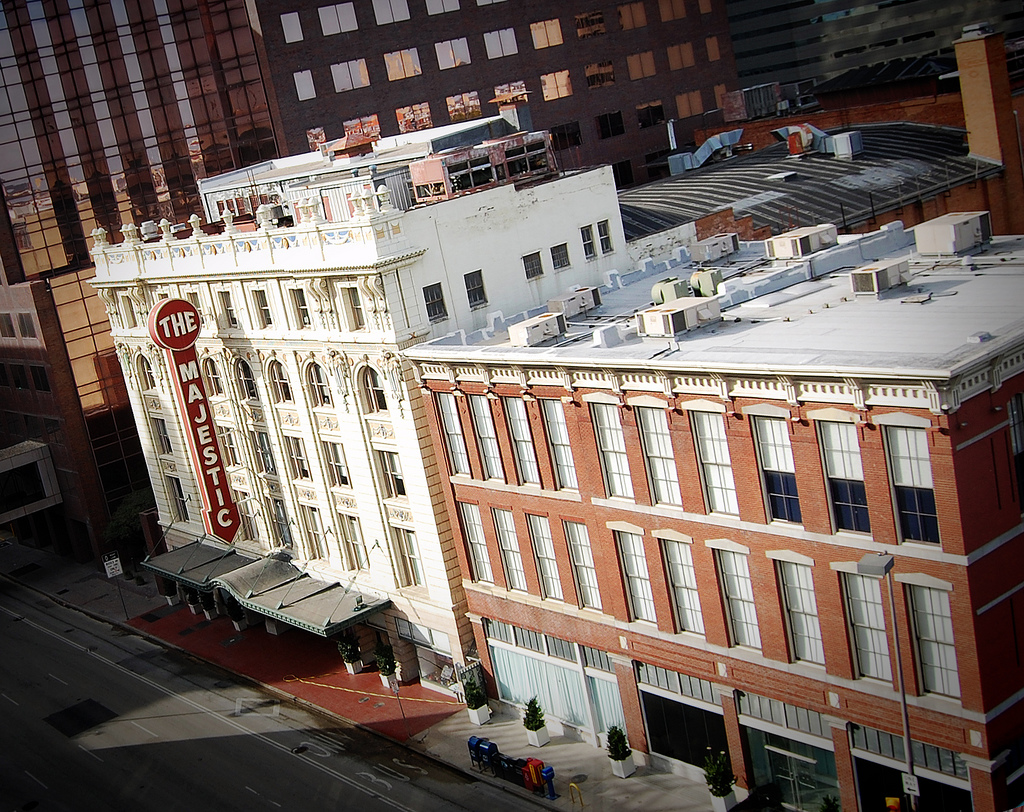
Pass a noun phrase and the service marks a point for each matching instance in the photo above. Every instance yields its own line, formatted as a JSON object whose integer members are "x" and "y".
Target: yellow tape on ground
{"x": 405, "y": 698}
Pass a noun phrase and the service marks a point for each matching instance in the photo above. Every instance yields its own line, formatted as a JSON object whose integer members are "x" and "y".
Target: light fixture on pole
{"x": 879, "y": 565}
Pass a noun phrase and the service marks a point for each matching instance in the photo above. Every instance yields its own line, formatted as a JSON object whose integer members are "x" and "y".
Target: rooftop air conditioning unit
{"x": 668, "y": 289}
{"x": 678, "y": 316}
{"x": 801, "y": 242}
{"x": 954, "y": 233}
{"x": 575, "y": 302}
{"x": 706, "y": 283}
{"x": 533, "y": 331}
{"x": 870, "y": 280}
{"x": 721, "y": 245}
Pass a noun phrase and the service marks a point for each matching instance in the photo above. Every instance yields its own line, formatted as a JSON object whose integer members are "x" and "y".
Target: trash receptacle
{"x": 531, "y": 774}
{"x": 517, "y": 773}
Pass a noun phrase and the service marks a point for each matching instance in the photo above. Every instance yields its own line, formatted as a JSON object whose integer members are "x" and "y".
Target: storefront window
{"x": 804, "y": 774}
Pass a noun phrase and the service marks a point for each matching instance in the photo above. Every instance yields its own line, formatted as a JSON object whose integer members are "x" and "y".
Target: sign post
{"x": 112, "y": 564}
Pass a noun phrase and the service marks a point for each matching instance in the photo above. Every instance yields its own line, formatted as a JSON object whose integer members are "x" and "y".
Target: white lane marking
{"x": 51, "y": 676}
{"x": 36, "y": 780}
{"x": 90, "y": 752}
{"x": 150, "y": 732}
{"x": 5, "y": 696}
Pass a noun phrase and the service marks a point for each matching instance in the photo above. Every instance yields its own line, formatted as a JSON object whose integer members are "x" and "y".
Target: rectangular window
{"x": 297, "y": 464}
{"x": 451, "y": 424}
{"x": 442, "y": 6}
{"x": 672, "y": 10}
{"x": 337, "y": 18}
{"x": 292, "y": 27}
{"x": 508, "y": 543}
{"x": 583, "y": 570}
{"x": 414, "y": 117}
{"x": 558, "y": 443}
{"x": 650, "y": 114}
{"x": 595, "y": 658}
{"x": 263, "y": 314}
{"x": 775, "y": 456}
{"x": 689, "y": 104}
{"x": 179, "y": 504}
{"x": 227, "y": 309}
{"x": 282, "y": 528}
{"x": 6, "y": 325}
{"x": 622, "y": 171}
{"x": 500, "y": 43}
{"x": 227, "y": 444}
{"x": 867, "y": 626}
{"x": 560, "y": 256}
{"x": 464, "y": 106}
{"x": 587, "y": 237}
{"x": 610, "y": 124}
{"x": 247, "y": 514}
{"x": 936, "y": 651}
{"x": 304, "y": 87}
{"x": 532, "y": 265}
{"x": 590, "y": 24}
{"x": 402, "y": 64}
{"x": 488, "y": 2}
{"x": 546, "y": 33}
{"x": 40, "y": 380}
{"x": 638, "y": 581}
{"x": 683, "y": 580}
{"x": 4, "y": 381}
{"x": 845, "y": 476}
{"x": 390, "y": 11}
{"x": 611, "y": 447}
{"x": 739, "y": 598}
{"x": 161, "y": 438}
{"x": 350, "y": 75}
{"x": 705, "y": 6}
{"x": 565, "y": 136}
{"x": 911, "y": 471}
{"x": 522, "y": 441}
{"x": 801, "y": 607}
{"x": 661, "y": 462}
{"x": 711, "y": 43}
{"x": 555, "y": 85}
{"x": 314, "y": 531}
{"x": 475, "y": 289}
{"x": 599, "y": 74}
{"x": 263, "y": 452}
{"x": 544, "y": 553}
{"x": 391, "y": 471}
{"x": 357, "y": 321}
{"x": 26, "y": 326}
{"x": 451, "y": 53}
{"x": 528, "y": 638}
{"x": 433, "y": 297}
{"x": 562, "y": 649}
{"x": 486, "y": 437}
{"x": 302, "y": 318}
{"x": 337, "y": 469}
{"x": 20, "y": 377}
{"x": 640, "y": 65}
{"x": 352, "y": 543}
{"x": 363, "y": 130}
{"x": 680, "y": 56}
{"x": 1016, "y": 416}
{"x": 632, "y": 15}
{"x": 410, "y": 568}
{"x": 476, "y": 543}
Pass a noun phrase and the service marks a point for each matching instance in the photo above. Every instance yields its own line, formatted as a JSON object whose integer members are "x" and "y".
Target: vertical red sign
{"x": 174, "y": 325}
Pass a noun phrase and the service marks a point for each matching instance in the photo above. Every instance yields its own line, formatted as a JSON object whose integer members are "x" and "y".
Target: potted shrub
{"x": 830, "y": 803}
{"x": 348, "y": 648}
{"x": 718, "y": 774}
{"x": 192, "y": 600}
{"x": 385, "y": 656}
{"x": 476, "y": 701}
{"x": 620, "y": 752}
{"x": 236, "y": 613}
{"x": 533, "y": 721}
{"x": 209, "y": 602}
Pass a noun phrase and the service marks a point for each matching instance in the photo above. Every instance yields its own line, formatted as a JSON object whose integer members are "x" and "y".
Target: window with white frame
{"x": 263, "y": 452}
{"x": 522, "y": 441}
{"x": 532, "y": 265}
{"x": 546, "y": 33}
{"x": 933, "y": 633}
{"x": 350, "y": 75}
{"x": 476, "y": 542}
{"x": 319, "y": 389}
{"x": 841, "y": 452}
{"x": 604, "y": 234}
{"x": 179, "y": 504}
{"x": 280, "y": 388}
{"x": 475, "y": 293}
{"x": 391, "y": 473}
{"x": 337, "y": 18}
{"x": 433, "y": 298}
{"x": 281, "y": 524}
{"x": 227, "y": 308}
{"x": 407, "y": 557}
{"x": 314, "y": 531}
{"x": 911, "y": 471}
{"x": 402, "y": 64}
{"x": 488, "y": 2}
{"x": 227, "y": 444}
{"x": 583, "y": 570}
{"x": 775, "y": 455}
{"x": 560, "y": 256}
{"x": 867, "y": 626}
{"x": 291, "y": 26}
{"x": 374, "y": 398}
{"x": 661, "y": 461}
{"x": 26, "y": 326}
{"x": 212, "y": 374}
{"x": 390, "y": 11}
{"x": 500, "y": 43}
{"x": 247, "y": 514}
{"x": 246, "y": 381}
{"x": 801, "y": 611}
{"x": 544, "y": 554}
{"x": 127, "y": 314}
{"x": 638, "y": 580}
{"x": 442, "y": 6}
{"x": 739, "y": 598}
{"x": 555, "y": 85}
{"x": 451, "y": 53}
{"x": 352, "y": 545}
{"x": 611, "y": 447}
{"x": 715, "y": 463}
{"x": 263, "y": 313}
{"x": 354, "y": 309}
{"x": 301, "y": 309}
{"x": 337, "y": 469}
{"x": 683, "y": 581}
{"x": 161, "y": 438}
{"x": 486, "y": 436}
{"x": 304, "y": 87}
{"x": 297, "y": 464}
{"x": 508, "y": 544}
{"x": 145, "y": 370}
{"x": 587, "y": 236}
{"x": 558, "y": 443}
{"x": 451, "y": 424}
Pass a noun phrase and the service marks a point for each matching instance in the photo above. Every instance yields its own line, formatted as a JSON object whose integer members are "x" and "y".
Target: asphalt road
{"x": 96, "y": 718}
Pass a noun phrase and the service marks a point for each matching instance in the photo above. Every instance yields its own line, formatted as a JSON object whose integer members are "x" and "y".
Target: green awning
{"x": 196, "y": 565}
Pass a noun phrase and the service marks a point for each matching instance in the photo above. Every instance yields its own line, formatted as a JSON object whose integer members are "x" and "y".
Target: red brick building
{"x": 663, "y": 515}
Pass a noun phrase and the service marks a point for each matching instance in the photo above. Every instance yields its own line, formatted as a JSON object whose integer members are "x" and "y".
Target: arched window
{"x": 373, "y": 391}
{"x": 146, "y": 379}
{"x": 318, "y": 388}
{"x": 213, "y": 383}
{"x": 246, "y": 381}
{"x": 279, "y": 386}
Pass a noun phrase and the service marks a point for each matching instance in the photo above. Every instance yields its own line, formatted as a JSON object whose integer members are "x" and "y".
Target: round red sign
{"x": 174, "y": 324}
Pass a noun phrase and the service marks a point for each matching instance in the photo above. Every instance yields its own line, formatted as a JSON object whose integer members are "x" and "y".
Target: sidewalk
{"x": 309, "y": 668}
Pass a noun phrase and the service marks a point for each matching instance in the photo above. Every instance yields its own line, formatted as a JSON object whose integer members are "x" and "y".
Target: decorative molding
{"x": 911, "y": 421}
{"x": 380, "y": 430}
{"x": 625, "y": 527}
{"x": 728, "y": 545}
{"x": 790, "y": 556}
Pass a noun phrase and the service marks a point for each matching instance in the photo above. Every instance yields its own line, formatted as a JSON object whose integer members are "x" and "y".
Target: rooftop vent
{"x": 575, "y": 302}
{"x": 721, "y": 245}
{"x": 678, "y": 316}
{"x": 870, "y": 280}
{"x": 802, "y": 241}
{"x": 955, "y": 233}
{"x": 706, "y": 283}
{"x": 533, "y": 331}
{"x": 668, "y": 289}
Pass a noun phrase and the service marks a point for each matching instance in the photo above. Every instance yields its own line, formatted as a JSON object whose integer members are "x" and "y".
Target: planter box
{"x": 624, "y": 768}
{"x": 480, "y": 716}
{"x": 210, "y": 613}
{"x": 385, "y": 680}
{"x": 354, "y": 668}
{"x": 240, "y": 625}
{"x": 538, "y": 738}
{"x": 723, "y": 804}
{"x": 195, "y": 608}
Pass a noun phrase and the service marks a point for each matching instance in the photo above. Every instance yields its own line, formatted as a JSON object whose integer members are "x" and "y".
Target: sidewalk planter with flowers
{"x": 348, "y": 648}
{"x": 533, "y": 721}
{"x": 620, "y": 753}
{"x": 476, "y": 701}
{"x": 386, "y": 665}
{"x": 720, "y": 778}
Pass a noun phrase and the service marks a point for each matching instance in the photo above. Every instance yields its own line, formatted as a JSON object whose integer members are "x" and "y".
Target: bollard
{"x": 548, "y": 777}
{"x": 572, "y": 795}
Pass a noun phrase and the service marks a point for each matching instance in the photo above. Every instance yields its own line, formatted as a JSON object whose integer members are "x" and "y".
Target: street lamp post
{"x": 879, "y": 565}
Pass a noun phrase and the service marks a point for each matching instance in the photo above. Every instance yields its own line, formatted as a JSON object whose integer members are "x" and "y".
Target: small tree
{"x": 534, "y": 718}
{"x": 718, "y": 773}
{"x": 618, "y": 746}
{"x": 124, "y": 530}
{"x": 475, "y": 696}
{"x": 348, "y": 648}
{"x": 830, "y": 803}
{"x": 385, "y": 656}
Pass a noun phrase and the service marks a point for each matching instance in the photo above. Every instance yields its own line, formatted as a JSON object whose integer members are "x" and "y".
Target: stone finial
{"x": 194, "y": 221}
{"x": 383, "y": 198}
{"x": 99, "y": 238}
{"x": 228, "y": 217}
{"x": 130, "y": 232}
{"x": 263, "y": 216}
{"x": 315, "y": 215}
{"x": 165, "y": 229}
{"x": 368, "y": 201}
{"x": 357, "y": 204}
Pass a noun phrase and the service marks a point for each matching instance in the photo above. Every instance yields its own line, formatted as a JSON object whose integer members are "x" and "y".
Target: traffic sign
{"x": 112, "y": 564}
{"x": 910, "y": 784}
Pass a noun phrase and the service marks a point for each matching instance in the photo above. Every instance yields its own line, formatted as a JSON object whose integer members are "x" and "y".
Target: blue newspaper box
{"x": 489, "y": 755}
{"x": 474, "y": 749}
{"x": 548, "y": 777}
